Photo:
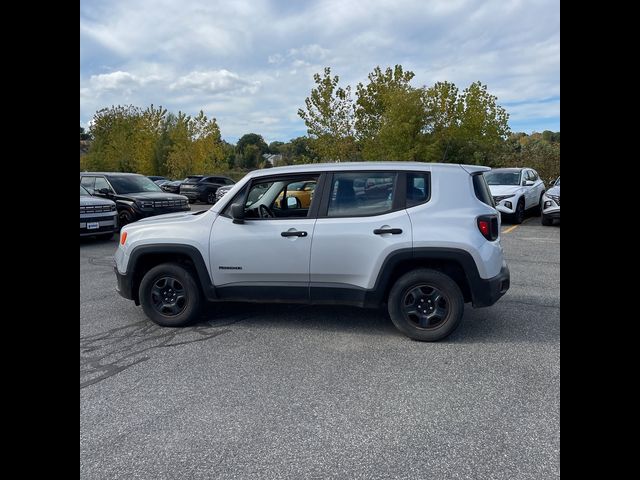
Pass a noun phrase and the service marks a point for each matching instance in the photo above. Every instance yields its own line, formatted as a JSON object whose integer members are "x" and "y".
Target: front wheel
{"x": 426, "y": 305}
{"x": 518, "y": 216}
{"x": 546, "y": 221}
{"x": 169, "y": 295}
{"x": 211, "y": 198}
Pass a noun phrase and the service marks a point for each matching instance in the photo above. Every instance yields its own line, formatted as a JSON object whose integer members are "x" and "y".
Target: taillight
{"x": 123, "y": 238}
{"x": 488, "y": 226}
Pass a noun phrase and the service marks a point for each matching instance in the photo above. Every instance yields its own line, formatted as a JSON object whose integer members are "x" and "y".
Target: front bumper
{"x": 106, "y": 224}
{"x": 486, "y": 292}
{"x": 123, "y": 285}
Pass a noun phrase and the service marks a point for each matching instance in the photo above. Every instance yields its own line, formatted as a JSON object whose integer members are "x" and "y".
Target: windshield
{"x": 124, "y": 185}
{"x": 502, "y": 178}
{"x": 557, "y": 184}
{"x": 84, "y": 191}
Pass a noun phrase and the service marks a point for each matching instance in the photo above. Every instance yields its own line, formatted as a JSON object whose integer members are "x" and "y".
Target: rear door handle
{"x": 392, "y": 231}
{"x": 294, "y": 234}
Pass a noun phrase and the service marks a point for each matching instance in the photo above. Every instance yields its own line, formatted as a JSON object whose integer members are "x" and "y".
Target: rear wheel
{"x": 170, "y": 296}
{"x": 426, "y": 305}
{"x": 211, "y": 198}
{"x": 546, "y": 220}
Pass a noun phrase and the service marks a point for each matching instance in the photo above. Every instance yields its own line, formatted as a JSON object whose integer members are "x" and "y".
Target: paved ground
{"x": 270, "y": 392}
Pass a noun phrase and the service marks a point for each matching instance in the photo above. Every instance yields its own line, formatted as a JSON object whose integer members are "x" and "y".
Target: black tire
{"x": 518, "y": 216}
{"x": 182, "y": 303}
{"x": 546, "y": 221}
{"x": 539, "y": 207}
{"x": 429, "y": 283}
{"x": 211, "y": 198}
{"x": 124, "y": 218}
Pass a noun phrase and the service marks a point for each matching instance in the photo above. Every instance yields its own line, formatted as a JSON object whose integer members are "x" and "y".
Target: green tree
{"x": 373, "y": 102}
{"x": 84, "y": 135}
{"x": 329, "y": 119}
{"x": 399, "y": 133}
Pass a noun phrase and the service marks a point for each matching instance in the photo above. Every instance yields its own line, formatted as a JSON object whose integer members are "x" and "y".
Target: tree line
{"x": 389, "y": 119}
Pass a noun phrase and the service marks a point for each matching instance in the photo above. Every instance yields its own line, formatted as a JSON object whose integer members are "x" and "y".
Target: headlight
{"x": 499, "y": 198}
{"x": 555, "y": 198}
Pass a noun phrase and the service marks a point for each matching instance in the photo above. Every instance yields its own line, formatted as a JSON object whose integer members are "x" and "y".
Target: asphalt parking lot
{"x": 288, "y": 391}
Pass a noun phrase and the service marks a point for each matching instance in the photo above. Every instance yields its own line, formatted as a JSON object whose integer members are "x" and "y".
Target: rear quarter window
{"x": 481, "y": 189}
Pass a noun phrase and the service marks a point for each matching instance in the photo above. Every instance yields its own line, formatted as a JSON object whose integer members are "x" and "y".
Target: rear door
{"x": 361, "y": 220}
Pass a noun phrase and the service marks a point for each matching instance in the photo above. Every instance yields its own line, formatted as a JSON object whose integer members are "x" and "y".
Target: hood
{"x": 151, "y": 196}
{"x": 499, "y": 190}
{"x": 87, "y": 200}
{"x": 170, "y": 218}
{"x": 554, "y": 191}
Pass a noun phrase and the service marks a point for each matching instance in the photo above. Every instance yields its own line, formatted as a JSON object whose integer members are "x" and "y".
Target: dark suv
{"x": 203, "y": 187}
{"x": 136, "y": 196}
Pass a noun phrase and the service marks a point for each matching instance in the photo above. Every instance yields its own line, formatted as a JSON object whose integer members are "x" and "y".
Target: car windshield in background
{"x": 192, "y": 179}
{"x": 84, "y": 191}
{"x": 123, "y": 185}
{"x": 502, "y": 178}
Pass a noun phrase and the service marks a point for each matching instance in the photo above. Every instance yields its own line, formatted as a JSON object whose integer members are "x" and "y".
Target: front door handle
{"x": 392, "y": 231}
{"x": 294, "y": 234}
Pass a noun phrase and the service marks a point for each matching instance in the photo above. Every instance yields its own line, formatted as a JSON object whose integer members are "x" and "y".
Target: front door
{"x": 266, "y": 257}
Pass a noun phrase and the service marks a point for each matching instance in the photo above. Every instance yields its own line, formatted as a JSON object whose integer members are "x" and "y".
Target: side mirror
{"x": 292, "y": 202}
{"x": 237, "y": 213}
{"x": 103, "y": 191}
{"x": 527, "y": 183}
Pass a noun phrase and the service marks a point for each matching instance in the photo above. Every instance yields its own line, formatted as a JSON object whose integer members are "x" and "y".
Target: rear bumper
{"x": 486, "y": 292}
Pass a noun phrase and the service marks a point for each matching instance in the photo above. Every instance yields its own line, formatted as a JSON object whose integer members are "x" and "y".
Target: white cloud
{"x": 250, "y": 63}
{"x": 214, "y": 82}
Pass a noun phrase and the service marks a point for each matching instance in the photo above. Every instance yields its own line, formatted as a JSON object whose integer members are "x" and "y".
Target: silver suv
{"x": 420, "y": 239}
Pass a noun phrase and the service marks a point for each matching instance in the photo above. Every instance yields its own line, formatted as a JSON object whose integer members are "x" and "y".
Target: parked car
{"x": 155, "y": 178}
{"x": 551, "y": 204}
{"x": 135, "y": 195}
{"x": 433, "y": 245}
{"x": 222, "y": 191}
{"x": 172, "y": 186}
{"x": 302, "y": 192}
{"x": 98, "y": 216}
{"x": 203, "y": 187}
{"x": 515, "y": 190}
{"x": 161, "y": 182}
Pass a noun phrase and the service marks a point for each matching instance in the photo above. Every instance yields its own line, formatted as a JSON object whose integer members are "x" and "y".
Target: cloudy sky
{"x": 250, "y": 63}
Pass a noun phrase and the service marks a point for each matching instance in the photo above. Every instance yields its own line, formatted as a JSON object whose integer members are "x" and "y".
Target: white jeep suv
{"x": 420, "y": 238}
{"x": 515, "y": 190}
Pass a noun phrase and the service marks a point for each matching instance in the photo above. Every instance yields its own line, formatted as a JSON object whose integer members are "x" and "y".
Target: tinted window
{"x": 192, "y": 179}
{"x": 417, "y": 188}
{"x": 502, "y": 178}
{"x": 133, "y": 184}
{"x": 87, "y": 182}
{"x": 482, "y": 191}
{"x": 533, "y": 175}
{"x": 361, "y": 194}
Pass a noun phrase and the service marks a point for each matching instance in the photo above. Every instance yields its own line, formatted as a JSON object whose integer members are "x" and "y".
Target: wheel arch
{"x": 145, "y": 257}
{"x": 456, "y": 263}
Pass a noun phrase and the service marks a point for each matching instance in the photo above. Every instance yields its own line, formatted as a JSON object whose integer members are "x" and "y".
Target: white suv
{"x": 420, "y": 238}
{"x": 515, "y": 190}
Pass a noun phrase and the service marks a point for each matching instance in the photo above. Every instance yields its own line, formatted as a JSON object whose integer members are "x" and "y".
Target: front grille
{"x": 96, "y": 219}
{"x": 97, "y": 208}
{"x": 164, "y": 203}
{"x": 169, "y": 203}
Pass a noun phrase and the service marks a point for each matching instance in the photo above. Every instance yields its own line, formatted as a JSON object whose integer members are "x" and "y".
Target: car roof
{"x": 113, "y": 174}
{"x": 359, "y": 166}
{"x": 508, "y": 170}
